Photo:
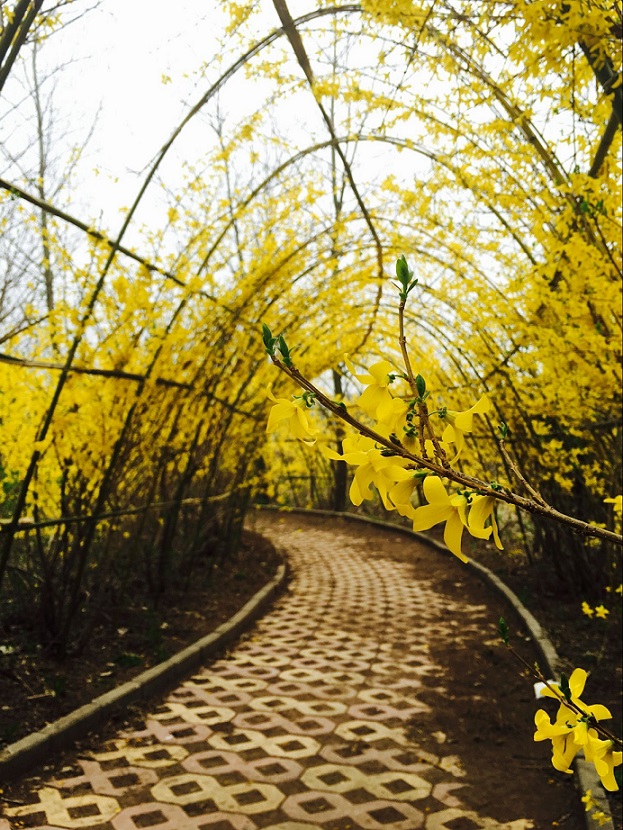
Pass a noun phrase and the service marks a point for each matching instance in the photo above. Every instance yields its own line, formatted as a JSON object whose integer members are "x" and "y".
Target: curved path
{"x": 309, "y": 722}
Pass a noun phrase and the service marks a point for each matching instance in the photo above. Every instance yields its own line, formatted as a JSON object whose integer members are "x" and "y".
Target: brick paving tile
{"x": 300, "y": 727}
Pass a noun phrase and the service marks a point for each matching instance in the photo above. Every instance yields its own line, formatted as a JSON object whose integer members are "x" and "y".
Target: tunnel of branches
{"x": 479, "y": 140}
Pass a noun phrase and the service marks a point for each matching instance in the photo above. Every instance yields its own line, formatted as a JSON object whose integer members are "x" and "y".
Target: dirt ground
{"x": 36, "y": 689}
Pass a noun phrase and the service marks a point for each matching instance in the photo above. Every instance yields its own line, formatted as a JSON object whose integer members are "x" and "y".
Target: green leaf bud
{"x": 284, "y": 350}
{"x": 564, "y": 686}
{"x": 402, "y": 271}
{"x": 503, "y": 630}
{"x": 269, "y": 340}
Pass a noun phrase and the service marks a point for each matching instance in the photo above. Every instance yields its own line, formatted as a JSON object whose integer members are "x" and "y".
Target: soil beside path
{"x": 373, "y": 695}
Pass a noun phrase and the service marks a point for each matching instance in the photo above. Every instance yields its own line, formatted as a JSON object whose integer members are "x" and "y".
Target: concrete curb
{"x": 21, "y": 756}
{"x": 586, "y": 776}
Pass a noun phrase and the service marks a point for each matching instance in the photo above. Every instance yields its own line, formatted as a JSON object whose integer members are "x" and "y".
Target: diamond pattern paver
{"x": 300, "y": 727}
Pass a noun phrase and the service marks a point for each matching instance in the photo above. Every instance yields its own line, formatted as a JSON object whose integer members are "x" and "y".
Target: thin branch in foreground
{"x": 484, "y": 488}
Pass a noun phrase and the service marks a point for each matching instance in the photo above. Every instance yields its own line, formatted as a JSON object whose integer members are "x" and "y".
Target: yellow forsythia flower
{"x": 292, "y": 412}
{"x": 372, "y": 468}
{"x": 460, "y": 423}
{"x": 376, "y": 399}
{"x": 443, "y": 508}
{"x": 482, "y": 508}
{"x": 570, "y": 733}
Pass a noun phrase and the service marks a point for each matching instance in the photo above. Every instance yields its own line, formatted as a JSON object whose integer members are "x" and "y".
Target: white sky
{"x": 114, "y": 59}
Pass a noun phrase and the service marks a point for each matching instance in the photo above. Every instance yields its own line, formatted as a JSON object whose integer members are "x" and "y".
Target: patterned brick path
{"x": 300, "y": 727}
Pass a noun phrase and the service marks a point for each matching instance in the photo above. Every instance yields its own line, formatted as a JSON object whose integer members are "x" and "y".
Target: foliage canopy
{"x": 481, "y": 138}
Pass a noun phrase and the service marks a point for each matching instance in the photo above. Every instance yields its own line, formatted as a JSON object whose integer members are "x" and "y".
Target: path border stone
{"x": 20, "y": 757}
{"x": 586, "y": 776}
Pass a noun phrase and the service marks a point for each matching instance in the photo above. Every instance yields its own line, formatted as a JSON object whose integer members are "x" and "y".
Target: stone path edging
{"x": 21, "y": 756}
{"x": 586, "y": 776}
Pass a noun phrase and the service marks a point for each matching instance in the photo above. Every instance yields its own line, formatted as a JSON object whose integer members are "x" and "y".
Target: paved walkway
{"x": 301, "y": 726}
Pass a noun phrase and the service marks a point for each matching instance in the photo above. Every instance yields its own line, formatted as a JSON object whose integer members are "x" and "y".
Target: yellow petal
{"x": 363, "y": 479}
{"x": 599, "y": 712}
{"x": 459, "y": 502}
{"x": 482, "y": 509}
{"x": 355, "y": 493}
{"x": 401, "y": 493}
{"x": 371, "y": 399}
{"x": 496, "y": 533}
{"x": 380, "y": 371}
{"x": 352, "y": 369}
{"x": 465, "y": 420}
{"x": 546, "y": 692}
{"x": 453, "y": 535}
{"x": 386, "y": 407}
{"x": 430, "y": 515}
{"x": 478, "y": 514}
{"x": 435, "y": 492}
{"x": 577, "y": 681}
{"x": 542, "y": 722}
{"x": 545, "y": 729}
{"x": 301, "y": 427}
{"x": 405, "y": 509}
{"x": 604, "y": 768}
{"x": 332, "y": 454}
{"x": 454, "y": 436}
{"x": 279, "y": 412}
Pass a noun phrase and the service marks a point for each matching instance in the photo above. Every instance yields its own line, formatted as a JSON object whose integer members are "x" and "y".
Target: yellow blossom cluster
{"x": 590, "y": 804}
{"x": 395, "y": 478}
{"x": 573, "y": 731}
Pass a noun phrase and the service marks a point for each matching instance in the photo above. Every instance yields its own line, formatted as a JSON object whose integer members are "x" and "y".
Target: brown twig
{"x": 519, "y": 476}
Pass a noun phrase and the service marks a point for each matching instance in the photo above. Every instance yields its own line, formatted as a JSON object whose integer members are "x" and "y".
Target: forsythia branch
{"x": 505, "y": 495}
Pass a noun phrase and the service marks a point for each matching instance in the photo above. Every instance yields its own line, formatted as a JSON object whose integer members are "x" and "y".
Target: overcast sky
{"x": 130, "y": 67}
